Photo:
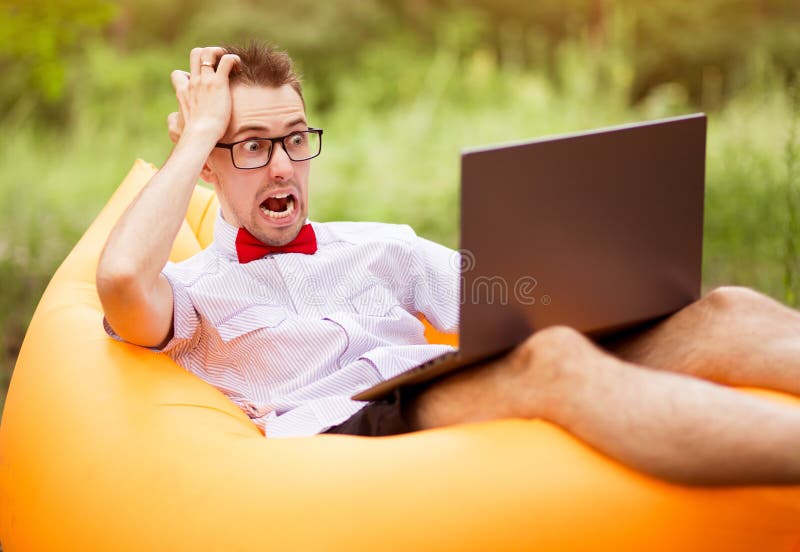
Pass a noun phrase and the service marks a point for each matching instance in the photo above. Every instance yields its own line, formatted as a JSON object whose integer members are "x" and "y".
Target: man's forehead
{"x": 264, "y": 107}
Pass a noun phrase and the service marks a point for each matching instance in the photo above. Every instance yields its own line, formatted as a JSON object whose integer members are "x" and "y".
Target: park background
{"x": 400, "y": 87}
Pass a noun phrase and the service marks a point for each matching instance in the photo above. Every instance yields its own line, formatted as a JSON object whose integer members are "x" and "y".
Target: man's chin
{"x": 277, "y": 236}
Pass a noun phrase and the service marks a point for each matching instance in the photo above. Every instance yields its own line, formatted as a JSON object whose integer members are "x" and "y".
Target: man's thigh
{"x": 729, "y": 331}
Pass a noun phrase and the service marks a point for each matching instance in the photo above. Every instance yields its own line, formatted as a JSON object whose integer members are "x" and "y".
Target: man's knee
{"x": 550, "y": 344}
{"x": 553, "y": 336}
{"x": 732, "y": 300}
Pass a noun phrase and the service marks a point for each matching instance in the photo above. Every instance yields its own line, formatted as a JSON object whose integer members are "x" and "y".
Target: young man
{"x": 290, "y": 318}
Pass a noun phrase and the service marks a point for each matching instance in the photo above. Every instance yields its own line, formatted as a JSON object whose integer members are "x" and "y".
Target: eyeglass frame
{"x": 273, "y": 141}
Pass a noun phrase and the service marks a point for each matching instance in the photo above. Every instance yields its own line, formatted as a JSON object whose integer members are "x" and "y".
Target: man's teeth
{"x": 280, "y": 214}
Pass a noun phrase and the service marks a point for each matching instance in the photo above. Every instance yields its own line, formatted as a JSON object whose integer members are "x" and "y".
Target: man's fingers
{"x": 175, "y": 126}
{"x": 194, "y": 62}
{"x": 226, "y": 64}
{"x": 212, "y": 54}
{"x": 201, "y": 92}
{"x": 180, "y": 80}
{"x": 200, "y": 57}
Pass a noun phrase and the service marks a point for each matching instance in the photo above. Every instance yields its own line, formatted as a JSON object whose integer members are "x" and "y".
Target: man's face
{"x": 246, "y": 195}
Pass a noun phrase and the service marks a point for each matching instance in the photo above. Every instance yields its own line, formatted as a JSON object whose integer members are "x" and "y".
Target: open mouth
{"x": 278, "y": 206}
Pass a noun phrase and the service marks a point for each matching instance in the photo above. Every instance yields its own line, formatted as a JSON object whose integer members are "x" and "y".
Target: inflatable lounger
{"x": 110, "y": 447}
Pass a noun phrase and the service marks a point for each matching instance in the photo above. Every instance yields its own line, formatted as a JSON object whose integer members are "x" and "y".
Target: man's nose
{"x": 280, "y": 166}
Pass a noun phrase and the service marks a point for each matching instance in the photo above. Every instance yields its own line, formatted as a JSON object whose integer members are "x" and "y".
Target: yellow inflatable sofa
{"x": 109, "y": 447}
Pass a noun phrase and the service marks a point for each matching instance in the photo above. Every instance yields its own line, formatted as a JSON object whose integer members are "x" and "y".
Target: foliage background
{"x": 400, "y": 86}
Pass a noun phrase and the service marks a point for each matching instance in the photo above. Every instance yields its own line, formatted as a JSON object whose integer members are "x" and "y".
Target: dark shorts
{"x": 384, "y": 417}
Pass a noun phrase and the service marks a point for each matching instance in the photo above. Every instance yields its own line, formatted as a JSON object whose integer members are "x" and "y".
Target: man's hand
{"x": 175, "y": 126}
{"x": 203, "y": 95}
{"x": 136, "y": 296}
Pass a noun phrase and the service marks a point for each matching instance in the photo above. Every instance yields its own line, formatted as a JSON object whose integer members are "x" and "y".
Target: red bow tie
{"x": 249, "y": 248}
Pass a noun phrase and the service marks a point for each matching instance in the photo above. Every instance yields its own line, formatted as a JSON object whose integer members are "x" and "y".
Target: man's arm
{"x": 136, "y": 297}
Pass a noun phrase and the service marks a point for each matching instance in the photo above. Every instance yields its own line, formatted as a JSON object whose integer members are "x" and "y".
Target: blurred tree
{"x": 323, "y": 37}
{"x": 696, "y": 47}
{"x": 36, "y": 40}
{"x": 681, "y": 42}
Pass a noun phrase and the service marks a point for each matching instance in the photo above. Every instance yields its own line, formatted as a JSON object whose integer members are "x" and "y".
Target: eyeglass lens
{"x": 299, "y": 146}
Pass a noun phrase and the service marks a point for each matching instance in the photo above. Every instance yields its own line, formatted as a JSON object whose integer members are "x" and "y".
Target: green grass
{"x": 397, "y": 160}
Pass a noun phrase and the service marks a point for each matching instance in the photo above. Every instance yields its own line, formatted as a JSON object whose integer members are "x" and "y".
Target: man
{"x": 290, "y": 318}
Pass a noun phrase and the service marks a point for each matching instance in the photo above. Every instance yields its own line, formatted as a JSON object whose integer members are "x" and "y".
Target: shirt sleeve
{"x": 437, "y": 272}
{"x": 185, "y": 318}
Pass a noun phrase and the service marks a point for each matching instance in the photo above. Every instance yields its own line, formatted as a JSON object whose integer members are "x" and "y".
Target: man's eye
{"x": 252, "y": 146}
{"x": 297, "y": 139}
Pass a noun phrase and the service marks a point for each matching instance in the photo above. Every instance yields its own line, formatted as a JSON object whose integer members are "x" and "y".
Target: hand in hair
{"x": 203, "y": 94}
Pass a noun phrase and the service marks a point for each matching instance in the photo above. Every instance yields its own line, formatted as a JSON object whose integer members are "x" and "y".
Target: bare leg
{"x": 676, "y": 427}
{"x": 732, "y": 335}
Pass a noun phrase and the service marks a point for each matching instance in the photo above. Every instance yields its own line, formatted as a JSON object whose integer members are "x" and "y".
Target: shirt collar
{"x": 225, "y": 237}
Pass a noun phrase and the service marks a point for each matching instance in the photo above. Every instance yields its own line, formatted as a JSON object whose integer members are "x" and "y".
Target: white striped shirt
{"x": 290, "y": 337}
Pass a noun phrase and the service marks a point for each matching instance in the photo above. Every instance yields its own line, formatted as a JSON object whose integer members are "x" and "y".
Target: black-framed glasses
{"x": 254, "y": 153}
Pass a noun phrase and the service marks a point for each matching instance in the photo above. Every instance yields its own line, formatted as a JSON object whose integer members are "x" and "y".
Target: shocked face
{"x": 271, "y": 202}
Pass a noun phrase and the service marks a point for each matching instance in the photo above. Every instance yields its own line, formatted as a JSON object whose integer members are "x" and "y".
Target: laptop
{"x": 599, "y": 230}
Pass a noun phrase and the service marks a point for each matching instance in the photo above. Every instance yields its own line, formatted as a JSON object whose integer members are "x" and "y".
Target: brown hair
{"x": 264, "y": 65}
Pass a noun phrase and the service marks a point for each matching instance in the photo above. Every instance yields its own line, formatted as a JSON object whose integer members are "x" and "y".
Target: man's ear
{"x": 208, "y": 174}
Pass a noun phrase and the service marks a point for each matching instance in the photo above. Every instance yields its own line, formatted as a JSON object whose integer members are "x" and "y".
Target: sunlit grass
{"x": 791, "y": 256}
